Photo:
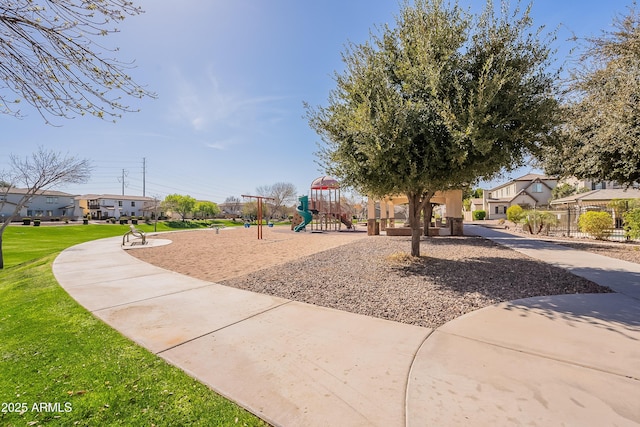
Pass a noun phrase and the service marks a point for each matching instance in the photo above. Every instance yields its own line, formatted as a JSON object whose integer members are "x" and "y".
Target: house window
{"x": 120, "y": 203}
{"x": 599, "y": 186}
{"x": 537, "y": 187}
{"x": 497, "y": 209}
{"x": 133, "y": 204}
{"x": 52, "y": 200}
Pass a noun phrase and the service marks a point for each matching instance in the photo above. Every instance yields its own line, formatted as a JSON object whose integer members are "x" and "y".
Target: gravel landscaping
{"x": 376, "y": 277}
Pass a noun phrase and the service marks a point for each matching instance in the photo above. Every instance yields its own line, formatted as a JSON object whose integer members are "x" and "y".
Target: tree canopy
{"x": 179, "y": 203}
{"x": 437, "y": 102}
{"x": 206, "y": 209}
{"x": 49, "y": 58}
{"x": 600, "y": 138}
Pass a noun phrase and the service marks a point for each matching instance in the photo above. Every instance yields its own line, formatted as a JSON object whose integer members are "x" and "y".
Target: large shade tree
{"x": 180, "y": 204}
{"x": 437, "y": 102}
{"x": 602, "y": 108}
{"x": 51, "y": 58}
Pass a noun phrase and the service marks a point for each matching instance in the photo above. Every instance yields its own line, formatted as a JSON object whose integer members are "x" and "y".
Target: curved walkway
{"x": 572, "y": 359}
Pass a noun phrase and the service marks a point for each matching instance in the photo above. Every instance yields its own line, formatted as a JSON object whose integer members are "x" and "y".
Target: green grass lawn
{"x": 59, "y": 365}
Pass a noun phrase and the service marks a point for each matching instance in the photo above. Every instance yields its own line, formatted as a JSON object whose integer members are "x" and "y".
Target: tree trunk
{"x": 427, "y": 212}
{"x": 1, "y": 255}
{"x": 414, "y": 223}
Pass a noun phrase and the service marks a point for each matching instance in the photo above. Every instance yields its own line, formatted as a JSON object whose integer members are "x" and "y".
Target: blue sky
{"x": 231, "y": 79}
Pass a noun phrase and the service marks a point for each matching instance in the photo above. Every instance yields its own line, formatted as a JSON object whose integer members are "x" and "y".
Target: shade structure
{"x": 325, "y": 183}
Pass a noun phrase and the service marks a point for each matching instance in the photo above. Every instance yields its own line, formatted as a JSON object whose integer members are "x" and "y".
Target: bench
{"x": 133, "y": 231}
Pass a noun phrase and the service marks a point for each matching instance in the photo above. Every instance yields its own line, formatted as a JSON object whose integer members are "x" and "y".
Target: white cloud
{"x": 220, "y": 145}
{"x": 228, "y": 116}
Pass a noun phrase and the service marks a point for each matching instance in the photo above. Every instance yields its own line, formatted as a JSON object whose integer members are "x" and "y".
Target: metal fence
{"x": 567, "y": 220}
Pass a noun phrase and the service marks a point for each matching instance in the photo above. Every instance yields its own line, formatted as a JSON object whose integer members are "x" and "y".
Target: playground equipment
{"x": 322, "y": 210}
{"x": 303, "y": 211}
{"x": 325, "y": 205}
{"x": 260, "y": 200}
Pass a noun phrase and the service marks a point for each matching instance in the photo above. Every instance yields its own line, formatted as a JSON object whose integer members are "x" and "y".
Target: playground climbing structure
{"x": 322, "y": 211}
{"x": 328, "y": 214}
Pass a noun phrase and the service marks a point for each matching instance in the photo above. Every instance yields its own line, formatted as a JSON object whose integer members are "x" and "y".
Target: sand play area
{"x": 234, "y": 252}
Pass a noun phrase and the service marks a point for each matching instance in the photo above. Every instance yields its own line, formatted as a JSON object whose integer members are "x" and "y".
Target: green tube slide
{"x": 303, "y": 210}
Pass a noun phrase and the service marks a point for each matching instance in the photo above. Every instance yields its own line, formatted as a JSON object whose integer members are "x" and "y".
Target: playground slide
{"x": 346, "y": 221}
{"x": 303, "y": 210}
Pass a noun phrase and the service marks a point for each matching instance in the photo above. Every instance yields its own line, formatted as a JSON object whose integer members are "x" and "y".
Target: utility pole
{"x": 144, "y": 176}
{"x": 122, "y": 180}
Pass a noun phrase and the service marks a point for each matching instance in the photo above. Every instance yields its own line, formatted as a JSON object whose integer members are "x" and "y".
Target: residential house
{"x": 476, "y": 204}
{"x": 103, "y": 206}
{"x": 231, "y": 210}
{"x": 45, "y": 204}
{"x": 585, "y": 184}
{"x": 531, "y": 190}
{"x": 597, "y": 197}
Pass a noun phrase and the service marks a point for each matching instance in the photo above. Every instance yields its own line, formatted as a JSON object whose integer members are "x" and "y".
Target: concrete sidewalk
{"x": 572, "y": 359}
{"x": 621, "y": 276}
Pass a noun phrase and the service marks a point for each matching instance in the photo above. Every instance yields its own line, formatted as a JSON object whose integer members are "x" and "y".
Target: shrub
{"x": 597, "y": 224}
{"x": 184, "y": 224}
{"x": 514, "y": 213}
{"x": 632, "y": 223}
{"x": 26, "y": 221}
{"x": 538, "y": 222}
{"x": 479, "y": 215}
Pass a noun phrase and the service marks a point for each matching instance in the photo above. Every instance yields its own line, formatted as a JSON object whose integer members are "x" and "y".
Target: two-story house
{"x": 45, "y": 204}
{"x": 531, "y": 190}
{"x": 582, "y": 185}
{"x": 103, "y": 206}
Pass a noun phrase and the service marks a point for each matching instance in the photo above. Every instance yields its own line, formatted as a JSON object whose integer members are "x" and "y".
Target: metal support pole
{"x": 259, "y": 199}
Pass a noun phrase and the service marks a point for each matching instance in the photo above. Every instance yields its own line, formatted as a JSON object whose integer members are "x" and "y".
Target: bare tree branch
{"x": 38, "y": 172}
{"x": 50, "y": 59}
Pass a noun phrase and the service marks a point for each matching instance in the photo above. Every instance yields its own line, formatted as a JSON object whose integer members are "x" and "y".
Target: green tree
{"x": 436, "y": 103}
{"x": 205, "y": 209}
{"x": 183, "y": 205}
{"x": 51, "y": 59}
{"x": 597, "y": 224}
{"x": 41, "y": 171}
{"x": 602, "y": 109}
{"x": 563, "y": 190}
{"x": 250, "y": 210}
{"x": 468, "y": 194}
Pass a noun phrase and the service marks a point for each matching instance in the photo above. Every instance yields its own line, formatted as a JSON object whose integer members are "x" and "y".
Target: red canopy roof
{"x": 324, "y": 183}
